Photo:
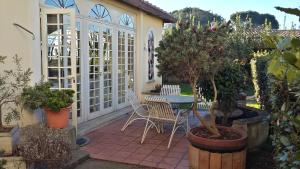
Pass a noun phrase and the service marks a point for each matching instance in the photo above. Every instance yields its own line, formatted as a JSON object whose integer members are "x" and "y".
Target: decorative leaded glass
{"x": 100, "y": 12}
{"x": 126, "y": 20}
{"x": 150, "y": 55}
{"x": 63, "y": 4}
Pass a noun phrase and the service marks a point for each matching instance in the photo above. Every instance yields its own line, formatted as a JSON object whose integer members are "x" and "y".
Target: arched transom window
{"x": 63, "y": 4}
{"x": 126, "y": 20}
{"x": 100, "y": 12}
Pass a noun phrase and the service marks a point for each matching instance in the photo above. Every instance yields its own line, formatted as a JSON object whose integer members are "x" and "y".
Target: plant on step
{"x": 41, "y": 96}
{"x": 44, "y": 147}
{"x": 194, "y": 53}
{"x": 12, "y": 82}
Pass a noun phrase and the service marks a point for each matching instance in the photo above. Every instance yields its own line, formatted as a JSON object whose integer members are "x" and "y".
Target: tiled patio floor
{"x": 109, "y": 143}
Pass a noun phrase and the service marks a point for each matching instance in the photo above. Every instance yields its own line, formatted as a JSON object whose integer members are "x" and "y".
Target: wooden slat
{"x": 215, "y": 161}
{"x": 193, "y": 157}
{"x": 237, "y": 160}
{"x": 203, "y": 159}
{"x": 244, "y": 159}
{"x": 227, "y": 161}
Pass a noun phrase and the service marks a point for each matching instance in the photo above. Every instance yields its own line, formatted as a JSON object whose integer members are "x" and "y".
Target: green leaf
{"x": 295, "y": 43}
{"x": 297, "y": 119}
{"x": 284, "y": 140}
{"x": 283, "y": 43}
{"x": 290, "y": 57}
{"x": 297, "y": 156}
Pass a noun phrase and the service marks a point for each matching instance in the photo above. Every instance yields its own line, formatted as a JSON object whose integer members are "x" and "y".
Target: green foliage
{"x": 201, "y": 16}
{"x": 41, "y": 96}
{"x": 12, "y": 83}
{"x": 293, "y": 11}
{"x": 229, "y": 83}
{"x": 257, "y": 18}
{"x": 285, "y": 91}
{"x": 260, "y": 79}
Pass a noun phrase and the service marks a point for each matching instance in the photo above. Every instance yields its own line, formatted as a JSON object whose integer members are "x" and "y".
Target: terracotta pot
{"x": 217, "y": 145}
{"x": 58, "y": 119}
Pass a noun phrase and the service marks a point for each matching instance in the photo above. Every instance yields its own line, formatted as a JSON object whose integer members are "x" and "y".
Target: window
{"x": 150, "y": 56}
{"x": 63, "y": 4}
{"x": 100, "y": 12}
{"x": 126, "y": 20}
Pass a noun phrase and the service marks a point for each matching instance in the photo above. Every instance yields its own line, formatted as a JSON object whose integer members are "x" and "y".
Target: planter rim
{"x": 219, "y": 145}
{"x": 49, "y": 109}
{"x": 261, "y": 116}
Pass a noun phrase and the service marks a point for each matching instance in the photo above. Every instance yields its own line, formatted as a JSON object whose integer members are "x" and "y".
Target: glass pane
{"x": 52, "y": 18}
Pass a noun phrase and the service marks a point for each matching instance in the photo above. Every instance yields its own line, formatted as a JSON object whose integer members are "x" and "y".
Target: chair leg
{"x": 172, "y": 134}
{"x": 128, "y": 122}
{"x": 145, "y": 131}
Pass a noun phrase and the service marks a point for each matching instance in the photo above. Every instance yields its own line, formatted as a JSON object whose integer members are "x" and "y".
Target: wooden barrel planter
{"x": 202, "y": 159}
{"x": 205, "y": 153}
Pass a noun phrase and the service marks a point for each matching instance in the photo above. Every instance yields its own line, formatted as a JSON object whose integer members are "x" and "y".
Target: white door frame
{"x": 57, "y": 11}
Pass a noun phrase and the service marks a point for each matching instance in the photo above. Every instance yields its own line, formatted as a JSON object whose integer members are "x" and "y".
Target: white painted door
{"x": 100, "y": 70}
{"x": 125, "y": 65}
{"x": 58, "y": 50}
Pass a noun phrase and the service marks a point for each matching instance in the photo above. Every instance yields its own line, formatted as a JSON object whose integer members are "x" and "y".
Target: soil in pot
{"x": 230, "y": 140}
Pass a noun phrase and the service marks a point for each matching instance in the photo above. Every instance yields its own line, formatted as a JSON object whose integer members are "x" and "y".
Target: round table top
{"x": 178, "y": 99}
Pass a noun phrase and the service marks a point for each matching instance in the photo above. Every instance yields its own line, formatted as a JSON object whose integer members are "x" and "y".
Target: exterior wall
{"x": 156, "y": 26}
{"x": 14, "y": 40}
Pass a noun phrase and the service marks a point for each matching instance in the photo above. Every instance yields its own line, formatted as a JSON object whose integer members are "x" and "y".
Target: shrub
{"x": 229, "y": 83}
{"x": 44, "y": 147}
{"x": 12, "y": 83}
{"x": 260, "y": 79}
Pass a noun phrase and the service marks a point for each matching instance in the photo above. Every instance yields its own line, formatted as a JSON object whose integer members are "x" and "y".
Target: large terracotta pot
{"x": 58, "y": 119}
{"x": 217, "y": 144}
{"x": 208, "y": 153}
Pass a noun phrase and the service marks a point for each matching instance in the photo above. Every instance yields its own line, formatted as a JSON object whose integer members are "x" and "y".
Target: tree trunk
{"x": 210, "y": 127}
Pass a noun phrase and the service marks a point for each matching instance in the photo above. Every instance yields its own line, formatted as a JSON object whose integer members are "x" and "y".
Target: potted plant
{"x": 56, "y": 103}
{"x": 12, "y": 83}
{"x": 194, "y": 53}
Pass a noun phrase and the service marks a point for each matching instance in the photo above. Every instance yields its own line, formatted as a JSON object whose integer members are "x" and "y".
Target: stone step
{"x": 78, "y": 157}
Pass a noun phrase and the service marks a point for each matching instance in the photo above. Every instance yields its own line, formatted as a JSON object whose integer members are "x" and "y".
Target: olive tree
{"x": 193, "y": 53}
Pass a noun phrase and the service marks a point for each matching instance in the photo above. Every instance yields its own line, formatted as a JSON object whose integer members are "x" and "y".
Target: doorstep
{"x": 91, "y": 125}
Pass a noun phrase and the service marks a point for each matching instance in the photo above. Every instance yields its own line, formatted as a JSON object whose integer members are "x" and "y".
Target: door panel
{"x": 58, "y": 50}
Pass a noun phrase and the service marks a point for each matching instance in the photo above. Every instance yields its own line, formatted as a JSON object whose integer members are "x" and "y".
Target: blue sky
{"x": 226, "y": 7}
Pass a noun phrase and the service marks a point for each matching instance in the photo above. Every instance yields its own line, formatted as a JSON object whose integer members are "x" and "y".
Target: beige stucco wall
{"x": 14, "y": 40}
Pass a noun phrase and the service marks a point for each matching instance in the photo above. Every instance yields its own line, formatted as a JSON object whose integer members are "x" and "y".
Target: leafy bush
{"x": 41, "y": 96}
{"x": 284, "y": 67}
{"x": 261, "y": 79}
{"x": 2, "y": 162}
{"x": 12, "y": 83}
{"x": 44, "y": 147}
{"x": 229, "y": 83}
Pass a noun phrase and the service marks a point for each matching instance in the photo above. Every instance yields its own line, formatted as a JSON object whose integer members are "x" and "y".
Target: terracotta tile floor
{"x": 109, "y": 143}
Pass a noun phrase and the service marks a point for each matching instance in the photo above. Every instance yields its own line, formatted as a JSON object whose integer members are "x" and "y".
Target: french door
{"x": 125, "y": 65}
{"x": 59, "y": 50}
{"x": 100, "y": 70}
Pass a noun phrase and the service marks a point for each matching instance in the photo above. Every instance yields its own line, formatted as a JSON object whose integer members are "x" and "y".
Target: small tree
{"x": 193, "y": 53}
{"x": 12, "y": 82}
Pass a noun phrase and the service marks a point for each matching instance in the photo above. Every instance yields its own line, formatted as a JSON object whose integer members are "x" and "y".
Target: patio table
{"x": 178, "y": 99}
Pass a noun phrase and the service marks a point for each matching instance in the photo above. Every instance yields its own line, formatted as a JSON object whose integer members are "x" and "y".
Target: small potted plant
{"x": 56, "y": 103}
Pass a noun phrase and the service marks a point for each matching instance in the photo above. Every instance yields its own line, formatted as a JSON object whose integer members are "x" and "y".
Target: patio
{"x": 111, "y": 144}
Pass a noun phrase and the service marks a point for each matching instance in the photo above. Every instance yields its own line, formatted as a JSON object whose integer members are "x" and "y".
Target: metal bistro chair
{"x": 173, "y": 90}
{"x": 140, "y": 111}
{"x": 160, "y": 111}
